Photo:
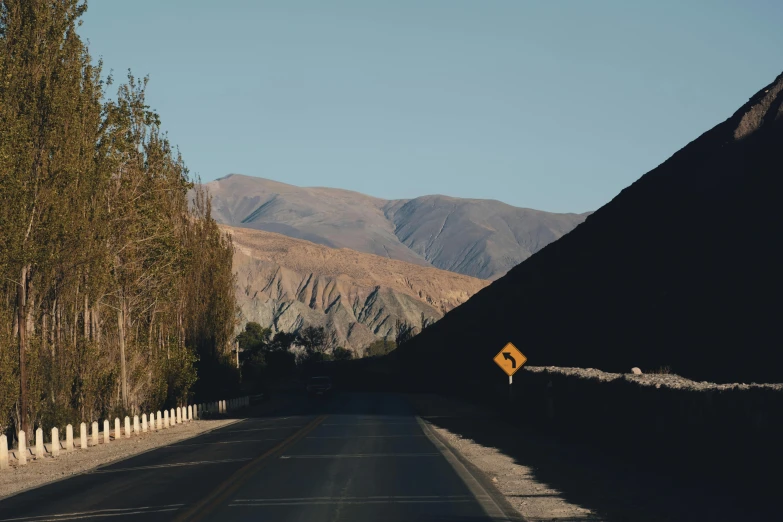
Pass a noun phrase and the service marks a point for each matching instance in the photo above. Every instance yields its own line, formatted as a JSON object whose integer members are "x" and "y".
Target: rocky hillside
{"x": 609, "y": 295}
{"x": 480, "y": 238}
{"x": 286, "y": 283}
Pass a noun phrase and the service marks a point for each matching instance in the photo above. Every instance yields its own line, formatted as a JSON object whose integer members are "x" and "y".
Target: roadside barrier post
{"x": 55, "y": 442}
{"x": 127, "y": 427}
{"x": 117, "y": 433}
{"x": 190, "y": 413}
{"x": 69, "y": 438}
{"x": 144, "y": 423}
{"x": 95, "y": 438}
{"x": 39, "y": 447}
{"x": 21, "y": 456}
{"x": 159, "y": 421}
{"x": 3, "y": 452}
{"x": 179, "y": 415}
{"x": 106, "y": 432}
{"x": 136, "y": 425}
{"x": 83, "y": 436}
{"x": 166, "y": 421}
{"x": 173, "y": 416}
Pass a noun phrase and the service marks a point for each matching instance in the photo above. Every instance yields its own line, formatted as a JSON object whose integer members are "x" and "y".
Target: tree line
{"x": 116, "y": 286}
{"x": 264, "y": 356}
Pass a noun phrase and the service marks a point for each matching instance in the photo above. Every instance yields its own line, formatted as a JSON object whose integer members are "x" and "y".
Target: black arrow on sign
{"x": 507, "y": 356}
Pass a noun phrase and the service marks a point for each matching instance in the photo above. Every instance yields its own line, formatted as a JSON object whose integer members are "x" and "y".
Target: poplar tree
{"x": 116, "y": 292}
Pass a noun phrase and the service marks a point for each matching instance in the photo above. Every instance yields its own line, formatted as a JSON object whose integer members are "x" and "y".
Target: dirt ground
{"x": 39, "y": 472}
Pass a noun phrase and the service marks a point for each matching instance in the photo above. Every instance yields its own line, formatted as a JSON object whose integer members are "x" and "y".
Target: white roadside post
{"x": 55, "y": 442}
{"x": 21, "y": 456}
{"x": 95, "y": 437}
{"x": 83, "y": 436}
{"x": 144, "y": 423}
{"x": 117, "y": 433}
{"x": 158, "y": 421}
{"x": 173, "y": 416}
{"x": 190, "y": 413}
{"x": 127, "y": 427}
{"x": 179, "y": 415}
{"x": 166, "y": 419}
{"x": 136, "y": 425}
{"x": 195, "y": 411}
{"x": 69, "y": 438}
{"x": 106, "y": 432}
{"x": 3, "y": 452}
{"x": 152, "y": 421}
{"x": 39, "y": 447}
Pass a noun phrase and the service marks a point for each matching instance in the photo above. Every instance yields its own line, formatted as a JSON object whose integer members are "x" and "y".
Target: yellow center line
{"x": 224, "y": 490}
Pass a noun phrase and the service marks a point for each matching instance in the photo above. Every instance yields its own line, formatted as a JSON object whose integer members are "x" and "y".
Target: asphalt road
{"x": 350, "y": 457}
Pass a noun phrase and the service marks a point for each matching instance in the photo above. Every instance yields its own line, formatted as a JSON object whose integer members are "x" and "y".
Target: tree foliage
{"x": 116, "y": 291}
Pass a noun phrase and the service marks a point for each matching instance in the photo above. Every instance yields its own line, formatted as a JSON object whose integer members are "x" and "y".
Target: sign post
{"x": 510, "y": 360}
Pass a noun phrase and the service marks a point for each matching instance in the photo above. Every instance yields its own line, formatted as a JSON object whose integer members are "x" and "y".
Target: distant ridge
{"x": 479, "y": 238}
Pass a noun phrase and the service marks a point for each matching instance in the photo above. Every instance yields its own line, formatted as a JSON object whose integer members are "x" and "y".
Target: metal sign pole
{"x": 510, "y": 388}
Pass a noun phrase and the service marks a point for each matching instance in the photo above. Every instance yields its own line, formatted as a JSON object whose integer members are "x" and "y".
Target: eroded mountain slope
{"x": 286, "y": 283}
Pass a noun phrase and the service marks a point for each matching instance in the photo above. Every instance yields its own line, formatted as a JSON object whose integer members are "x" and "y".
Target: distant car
{"x": 319, "y": 386}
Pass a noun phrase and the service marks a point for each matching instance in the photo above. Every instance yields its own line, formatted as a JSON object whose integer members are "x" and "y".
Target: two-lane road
{"x": 352, "y": 457}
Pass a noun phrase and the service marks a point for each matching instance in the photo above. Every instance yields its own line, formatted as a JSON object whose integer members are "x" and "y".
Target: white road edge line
{"x": 263, "y": 429}
{"x": 372, "y": 497}
{"x": 364, "y": 436}
{"x": 171, "y": 465}
{"x": 97, "y": 512}
{"x": 356, "y": 502}
{"x": 223, "y": 442}
{"x": 360, "y": 455}
{"x": 488, "y": 504}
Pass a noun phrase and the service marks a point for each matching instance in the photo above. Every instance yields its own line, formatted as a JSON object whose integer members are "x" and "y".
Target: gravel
{"x": 534, "y": 500}
{"x": 650, "y": 379}
{"x": 39, "y": 472}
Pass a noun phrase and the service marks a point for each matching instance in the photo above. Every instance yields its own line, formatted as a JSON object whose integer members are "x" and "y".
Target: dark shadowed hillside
{"x": 608, "y": 296}
{"x": 475, "y": 237}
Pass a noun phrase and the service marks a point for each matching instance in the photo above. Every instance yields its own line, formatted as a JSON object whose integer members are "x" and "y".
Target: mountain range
{"x": 285, "y": 283}
{"x": 474, "y": 237}
{"x": 634, "y": 286}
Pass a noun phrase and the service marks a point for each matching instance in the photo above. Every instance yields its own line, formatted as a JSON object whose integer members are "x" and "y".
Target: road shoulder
{"x": 511, "y": 485}
{"x": 37, "y": 473}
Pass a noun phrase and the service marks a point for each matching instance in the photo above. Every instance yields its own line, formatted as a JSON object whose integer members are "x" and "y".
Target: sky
{"x": 553, "y": 105}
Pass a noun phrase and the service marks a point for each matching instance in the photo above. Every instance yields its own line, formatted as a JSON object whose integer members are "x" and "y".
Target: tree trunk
{"x": 21, "y": 309}
{"x": 86, "y": 318}
{"x": 96, "y": 326}
{"x": 121, "y": 335}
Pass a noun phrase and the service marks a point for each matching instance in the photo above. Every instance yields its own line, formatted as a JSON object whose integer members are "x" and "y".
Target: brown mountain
{"x": 287, "y": 283}
{"x": 480, "y": 238}
{"x": 634, "y": 286}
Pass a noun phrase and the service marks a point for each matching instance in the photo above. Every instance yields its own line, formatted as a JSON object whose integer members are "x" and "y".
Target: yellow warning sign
{"x": 510, "y": 359}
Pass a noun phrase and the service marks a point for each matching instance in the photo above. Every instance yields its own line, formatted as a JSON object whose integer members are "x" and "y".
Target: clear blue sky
{"x": 555, "y": 105}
